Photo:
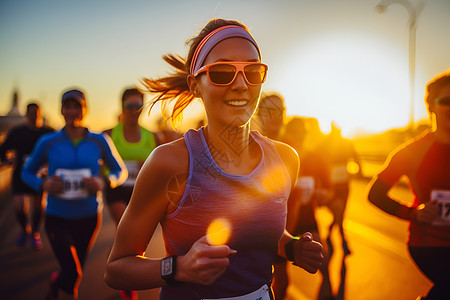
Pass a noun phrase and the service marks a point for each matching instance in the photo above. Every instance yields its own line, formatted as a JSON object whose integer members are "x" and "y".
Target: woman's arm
{"x": 401, "y": 162}
{"x": 304, "y": 252}
{"x": 127, "y": 268}
{"x": 395, "y": 167}
{"x": 378, "y": 195}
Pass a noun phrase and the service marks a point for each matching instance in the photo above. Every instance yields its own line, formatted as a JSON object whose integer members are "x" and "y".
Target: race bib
{"x": 73, "y": 183}
{"x": 306, "y": 185}
{"x": 133, "y": 170}
{"x": 260, "y": 294}
{"x": 443, "y": 199}
{"x": 339, "y": 174}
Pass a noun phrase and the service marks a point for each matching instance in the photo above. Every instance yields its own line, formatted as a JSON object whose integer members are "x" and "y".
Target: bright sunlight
{"x": 360, "y": 82}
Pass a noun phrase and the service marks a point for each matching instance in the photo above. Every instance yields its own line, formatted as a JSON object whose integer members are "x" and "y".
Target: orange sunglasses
{"x": 224, "y": 73}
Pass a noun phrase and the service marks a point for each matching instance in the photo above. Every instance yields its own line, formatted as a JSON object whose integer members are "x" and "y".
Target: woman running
{"x": 222, "y": 175}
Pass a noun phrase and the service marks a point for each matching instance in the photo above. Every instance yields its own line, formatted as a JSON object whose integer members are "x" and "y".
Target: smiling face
{"x": 73, "y": 113}
{"x": 234, "y": 103}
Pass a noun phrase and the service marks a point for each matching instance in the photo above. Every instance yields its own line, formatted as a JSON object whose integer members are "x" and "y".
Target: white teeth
{"x": 237, "y": 103}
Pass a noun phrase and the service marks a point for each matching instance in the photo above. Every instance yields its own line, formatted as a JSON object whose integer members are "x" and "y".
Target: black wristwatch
{"x": 169, "y": 269}
{"x": 289, "y": 248}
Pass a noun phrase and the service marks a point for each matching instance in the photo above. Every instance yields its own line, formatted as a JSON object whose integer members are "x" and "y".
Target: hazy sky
{"x": 331, "y": 59}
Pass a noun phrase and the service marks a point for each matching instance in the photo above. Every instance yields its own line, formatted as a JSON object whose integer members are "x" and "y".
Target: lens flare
{"x": 218, "y": 232}
{"x": 352, "y": 167}
{"x": 273, "y": 180}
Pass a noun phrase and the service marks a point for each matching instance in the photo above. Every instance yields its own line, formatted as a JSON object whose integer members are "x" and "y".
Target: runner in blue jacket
{"x": 74, "y": 157}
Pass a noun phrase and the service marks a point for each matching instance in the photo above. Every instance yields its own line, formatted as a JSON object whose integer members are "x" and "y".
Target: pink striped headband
{"x": 213, "y": 38}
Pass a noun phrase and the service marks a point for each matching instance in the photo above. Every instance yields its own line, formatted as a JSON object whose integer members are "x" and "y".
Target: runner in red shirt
{"x": 425, "y": 161}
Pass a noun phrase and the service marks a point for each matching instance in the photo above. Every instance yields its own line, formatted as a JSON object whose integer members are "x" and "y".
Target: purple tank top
{"x": 254, "y": 204}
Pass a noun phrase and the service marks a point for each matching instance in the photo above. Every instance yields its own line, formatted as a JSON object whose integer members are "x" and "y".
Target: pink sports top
{"x": 254, "y": 204}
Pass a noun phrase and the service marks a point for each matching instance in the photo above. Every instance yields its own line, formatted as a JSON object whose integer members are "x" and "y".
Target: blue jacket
{"x": 60, "y": 153}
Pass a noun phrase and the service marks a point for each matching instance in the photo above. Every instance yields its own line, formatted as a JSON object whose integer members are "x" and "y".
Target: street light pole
{"x": 412, "y": 23}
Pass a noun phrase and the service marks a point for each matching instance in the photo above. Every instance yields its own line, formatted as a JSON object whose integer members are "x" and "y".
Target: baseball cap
{"x": 75, "y": 95}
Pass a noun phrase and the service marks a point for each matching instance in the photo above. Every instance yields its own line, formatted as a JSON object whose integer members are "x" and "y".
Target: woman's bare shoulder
{"x": 161, "y": 170}
{"x": 170, "y": 157}
{"x": 289, "y": 157}
{"x": 286, "y": 151}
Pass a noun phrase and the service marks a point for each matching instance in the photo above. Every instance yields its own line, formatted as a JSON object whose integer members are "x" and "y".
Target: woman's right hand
{"x": 203, "y": 263}
{"x": 53, "y": 185}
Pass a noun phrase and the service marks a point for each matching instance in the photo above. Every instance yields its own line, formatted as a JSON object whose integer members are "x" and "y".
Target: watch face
{"x": 166, "y": 266}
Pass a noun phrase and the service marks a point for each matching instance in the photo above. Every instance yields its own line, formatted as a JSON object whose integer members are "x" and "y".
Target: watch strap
{"x": 169, "y": 275}
{"x": 289, "y": 248}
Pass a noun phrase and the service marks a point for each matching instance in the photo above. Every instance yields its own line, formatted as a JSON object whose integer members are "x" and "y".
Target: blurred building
{"x": 12, "y": 118}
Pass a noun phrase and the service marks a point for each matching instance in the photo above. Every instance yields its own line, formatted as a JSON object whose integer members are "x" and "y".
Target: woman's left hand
{"x": 93, "y": 184}
{"x": 308, "y": 253}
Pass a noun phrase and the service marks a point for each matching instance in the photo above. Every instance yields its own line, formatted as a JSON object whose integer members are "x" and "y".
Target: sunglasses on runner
{"x": 224, "y": 73}
{"x": 133, "y": 106}
{"x": 443, "y": 101}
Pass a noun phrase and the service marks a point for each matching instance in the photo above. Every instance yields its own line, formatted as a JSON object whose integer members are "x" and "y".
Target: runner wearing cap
{"x": 74, "y": 184}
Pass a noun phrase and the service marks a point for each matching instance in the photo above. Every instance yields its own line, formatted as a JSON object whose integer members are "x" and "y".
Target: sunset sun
{"x": 356, "y": 81}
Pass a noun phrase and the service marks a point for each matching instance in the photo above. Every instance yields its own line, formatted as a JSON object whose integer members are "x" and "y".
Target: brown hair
{"x": 131, "y": 92}
{"x": 175, "y": 86}
{"x": 32, "y": 105}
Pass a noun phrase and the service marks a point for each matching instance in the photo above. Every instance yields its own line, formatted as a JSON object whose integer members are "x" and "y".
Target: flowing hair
{"x": 174, "y": 87}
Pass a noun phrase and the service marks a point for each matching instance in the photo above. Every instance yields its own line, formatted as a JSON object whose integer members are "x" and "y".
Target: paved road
{"x": 378, "y": 268}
